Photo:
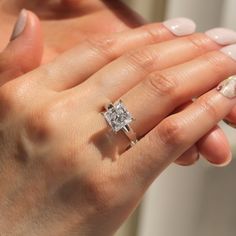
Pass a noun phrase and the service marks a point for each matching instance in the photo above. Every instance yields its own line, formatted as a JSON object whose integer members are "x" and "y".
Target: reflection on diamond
{"x": 118, "y": 116}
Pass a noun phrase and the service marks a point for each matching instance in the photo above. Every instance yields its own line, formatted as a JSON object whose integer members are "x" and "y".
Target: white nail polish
{"x": 230, "y": 51}
{"x": 222, "y": 36}
{"x": 228, "y": 87}
{"x": 20, "y": 25}
{"x": 180, "y": 26}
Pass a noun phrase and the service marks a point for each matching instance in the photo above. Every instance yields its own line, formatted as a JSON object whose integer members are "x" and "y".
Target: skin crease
{"x": 57, "y": 178}
{"x": 65, "y": 185}
{"x": 83, "y": 17}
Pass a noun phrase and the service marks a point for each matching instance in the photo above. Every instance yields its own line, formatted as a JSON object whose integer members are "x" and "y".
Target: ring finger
{"x": 161, "y": 92}
{"x": 168, "y": 140}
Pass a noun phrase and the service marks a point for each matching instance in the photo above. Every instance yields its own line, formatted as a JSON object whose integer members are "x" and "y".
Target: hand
{"x": 66, "y": 172}
{"x": 31, "y": 51}
{"x": 85, "y": 18}
{"x": 97, "y": 13}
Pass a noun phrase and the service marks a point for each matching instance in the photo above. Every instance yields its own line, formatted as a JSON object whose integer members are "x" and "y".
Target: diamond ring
{"x": 119, "y": 119}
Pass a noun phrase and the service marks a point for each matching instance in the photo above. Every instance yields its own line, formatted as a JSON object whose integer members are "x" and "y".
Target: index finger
{"x": 77, "y": 64}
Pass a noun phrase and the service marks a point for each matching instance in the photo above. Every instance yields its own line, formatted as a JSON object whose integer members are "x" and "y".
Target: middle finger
{"x": 162, "y": 92}
{"x": 130, "y": 69}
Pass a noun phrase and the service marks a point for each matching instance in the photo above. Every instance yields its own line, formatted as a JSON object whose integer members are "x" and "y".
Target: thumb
{"x": 25, "y": 49}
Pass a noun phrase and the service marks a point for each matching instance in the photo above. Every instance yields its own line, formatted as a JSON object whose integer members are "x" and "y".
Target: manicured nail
{"x": 20, "y": 25}
{"x": 180, "y": 26}
{"x": 228, "y": 87}
{"x": 222, "y": 36}
{"x": 230, "y": 51}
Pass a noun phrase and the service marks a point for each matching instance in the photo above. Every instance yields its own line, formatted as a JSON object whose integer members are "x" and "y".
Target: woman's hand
{"x": 63, "y": 172}
{"x": 83, "y": 17}
{"x": 30, "y": 52}
{"x": 78, "y": 19}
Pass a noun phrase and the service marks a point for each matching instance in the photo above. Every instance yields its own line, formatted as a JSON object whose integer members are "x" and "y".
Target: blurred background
{"x": 189, "y": 201}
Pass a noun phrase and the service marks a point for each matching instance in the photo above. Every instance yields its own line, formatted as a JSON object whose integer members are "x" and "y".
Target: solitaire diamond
{"x": 117, "y": 116}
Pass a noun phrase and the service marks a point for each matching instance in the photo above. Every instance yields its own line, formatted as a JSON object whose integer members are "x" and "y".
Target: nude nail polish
{"x": 20, "y": 25}
{"x": 228, "y": 87}
{"x": 230, "y": 51}
{"x": 180, "y": 26}
{"x": 222, "y": 36}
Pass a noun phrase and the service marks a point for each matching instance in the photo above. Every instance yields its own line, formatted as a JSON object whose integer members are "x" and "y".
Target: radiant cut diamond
{"x": 117, "y": 116}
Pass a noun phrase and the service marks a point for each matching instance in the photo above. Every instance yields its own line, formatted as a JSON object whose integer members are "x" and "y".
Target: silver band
{"x": 119, "y": 119}
{"x": 130, "y": 134}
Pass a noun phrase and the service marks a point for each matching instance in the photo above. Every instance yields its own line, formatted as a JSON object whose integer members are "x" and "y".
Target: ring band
{"x": 119, "y": 119}
{"x": 230, "y": 123}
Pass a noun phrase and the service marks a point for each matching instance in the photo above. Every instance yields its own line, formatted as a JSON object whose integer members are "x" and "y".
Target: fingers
{"x": 176, "y": 134}
{"x": 75, "y": 66}
{"x": 24, "y": 51}
{"x": 161, "y": 93}
{"x": 134, "y": 66}
{"x": 215, "y": 147}
{"x": 232, "y": 116}
{"x": 190, "y": 157}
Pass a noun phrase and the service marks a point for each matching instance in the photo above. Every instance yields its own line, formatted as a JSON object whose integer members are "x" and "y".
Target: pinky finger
{"x": 215, "y": 148}
{"x": 177, "y": 133}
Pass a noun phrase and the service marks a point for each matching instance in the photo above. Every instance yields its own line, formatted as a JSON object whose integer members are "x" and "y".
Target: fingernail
{"x": 229, "y": 159}
{"x": 231, "y": 124}
{"x": 228, "y": 87}
{"x": 180, "y": 26}
{"x": 20, "y": 25}
{"x": 230, "y": 51}
{"x": 222, "y": 36}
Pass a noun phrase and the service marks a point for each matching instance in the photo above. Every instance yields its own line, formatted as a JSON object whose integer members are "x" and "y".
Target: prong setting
{"x": 117, "y": 116}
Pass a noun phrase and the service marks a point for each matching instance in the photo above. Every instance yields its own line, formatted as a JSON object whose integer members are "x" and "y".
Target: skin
{"x": 67, "y": 173}
{"x": 83, "y": 17}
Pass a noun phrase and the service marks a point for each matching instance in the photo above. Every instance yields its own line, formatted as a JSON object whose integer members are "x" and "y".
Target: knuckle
{"x": 160, "y": 85}
{"x": 41, "y": 123}
{"x": 104, "y": 46}
{"x": 11, "y": 97}
{"x": 171, "y": 133}
{"x": 143, "y": 59}
{"x": 152, "y": 33}
{"x": 197, "y": 42}
{"x": 216, "y": 64}
{"x": 207, "y": 105}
